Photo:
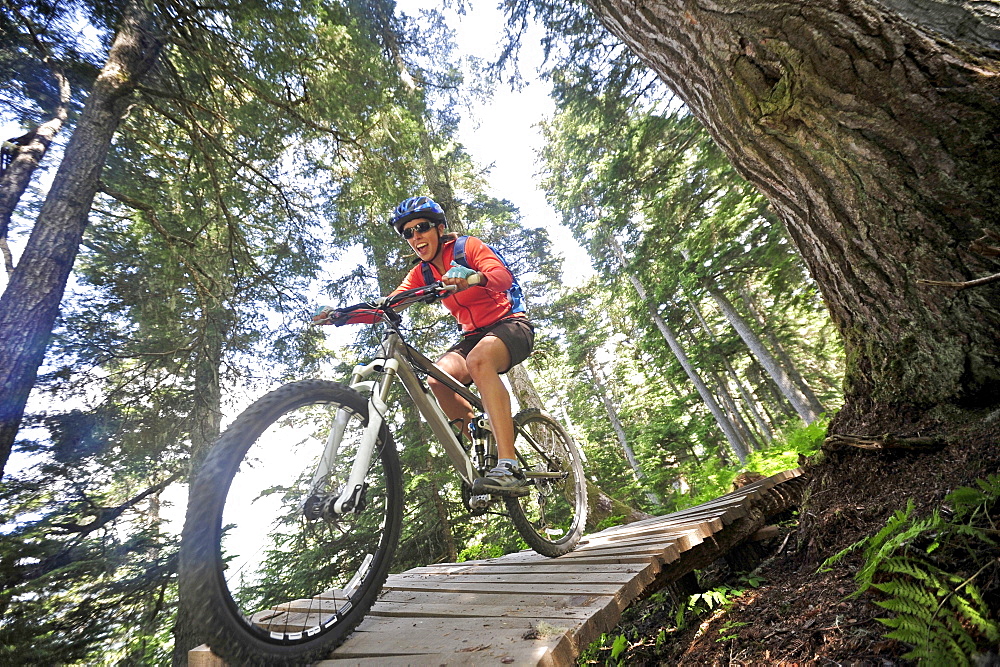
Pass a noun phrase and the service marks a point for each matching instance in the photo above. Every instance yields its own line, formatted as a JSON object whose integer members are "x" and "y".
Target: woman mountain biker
{"x": 494, "y": 339}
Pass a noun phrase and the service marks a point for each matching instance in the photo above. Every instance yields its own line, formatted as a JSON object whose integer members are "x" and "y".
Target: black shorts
{"x": 517, "y": 334}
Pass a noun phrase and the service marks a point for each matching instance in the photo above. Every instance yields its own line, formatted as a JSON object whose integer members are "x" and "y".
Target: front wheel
{"x": 271, "y": 574}
{"x": 552, "y": 516}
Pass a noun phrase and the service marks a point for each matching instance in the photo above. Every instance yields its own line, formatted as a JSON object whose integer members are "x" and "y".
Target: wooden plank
{"x": 544, "y": 567}
{"x": 390, "y": 609}
{"x": 423, "y": 604}
{"x": 650, "y": 548}
{"x": 699, "y": 513}
{"x": 629, "y": 584}
{"x": 659, "y": 535}
{"x": 387, "y": 637}
{"x": 453, "y": 614}
{"x": 202, "y": 656}
{"x": 552, "y": 587}
{"x": 618, "y": 557}
{"x": 552, "y": 652}
{"x": 657, "y": 544}
{"x": 517, "y": 579}
{"x": 498, "y": 648}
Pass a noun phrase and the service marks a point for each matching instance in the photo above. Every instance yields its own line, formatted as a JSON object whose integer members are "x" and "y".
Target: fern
{"x": 941, "y": 615}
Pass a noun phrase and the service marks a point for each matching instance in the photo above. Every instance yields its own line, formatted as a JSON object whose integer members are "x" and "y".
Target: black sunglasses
{"x": 419, "y": 227}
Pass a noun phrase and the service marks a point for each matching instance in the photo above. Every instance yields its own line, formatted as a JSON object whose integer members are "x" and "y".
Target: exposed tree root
{"x": 886, "y": 441}
{"x": 980, "y": 246}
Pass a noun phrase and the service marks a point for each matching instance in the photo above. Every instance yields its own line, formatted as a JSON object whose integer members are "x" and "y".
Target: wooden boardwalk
{"x": 526, "y": 609}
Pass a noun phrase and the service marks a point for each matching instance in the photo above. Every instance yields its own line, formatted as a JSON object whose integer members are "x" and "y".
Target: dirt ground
{"x": 796, "y": 615}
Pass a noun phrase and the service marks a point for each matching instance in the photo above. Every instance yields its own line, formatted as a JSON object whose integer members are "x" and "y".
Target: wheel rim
{"x": 552, "y": 508}
{"x": 289, "y": 577}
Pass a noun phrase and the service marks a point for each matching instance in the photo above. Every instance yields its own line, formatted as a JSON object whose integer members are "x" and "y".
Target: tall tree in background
{"x": 872, "y": 132}
{"x": 201, "y": 241}
{"x": 43, "y": 68}
{"x": 30, "y": 303}
{"x": 628, "y": 166}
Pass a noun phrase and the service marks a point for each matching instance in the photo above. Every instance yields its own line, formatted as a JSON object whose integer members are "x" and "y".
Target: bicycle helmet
{"x": 417, "y": 207}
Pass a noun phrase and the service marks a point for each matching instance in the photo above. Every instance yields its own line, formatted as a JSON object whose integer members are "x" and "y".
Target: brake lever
{"x": 435, "y": 293}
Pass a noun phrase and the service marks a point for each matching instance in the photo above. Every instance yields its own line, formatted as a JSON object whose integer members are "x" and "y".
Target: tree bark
{"x": 743, "y": 430}
{"x": 784, "y": 359}
{"x": 30, "y": 304}
{"x": 15, "y": 178}
{"x": 616, "y": 424}
{"x": 206, "y": 426}
{"x": 751, "y": 405}
{"x": 874, "y": 139}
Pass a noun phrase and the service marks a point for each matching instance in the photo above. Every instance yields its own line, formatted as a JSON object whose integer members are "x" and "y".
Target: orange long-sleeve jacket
{"x": 480, "y": 305}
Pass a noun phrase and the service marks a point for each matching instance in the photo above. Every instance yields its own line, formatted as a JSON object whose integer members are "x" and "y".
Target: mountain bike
{"x": 294, "y": 517}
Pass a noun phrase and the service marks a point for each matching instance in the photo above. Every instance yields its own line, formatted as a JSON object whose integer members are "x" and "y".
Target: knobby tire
{"x": 322, "y": 553}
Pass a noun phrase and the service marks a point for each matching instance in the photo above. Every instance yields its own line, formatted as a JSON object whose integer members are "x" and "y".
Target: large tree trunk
{"x": 875, "y": 141}
{"x": 30, "y": 304}
{"x": 206, "y": 426}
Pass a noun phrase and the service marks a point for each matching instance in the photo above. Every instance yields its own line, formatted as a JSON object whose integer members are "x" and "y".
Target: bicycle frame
{"x": 397, "y": 359}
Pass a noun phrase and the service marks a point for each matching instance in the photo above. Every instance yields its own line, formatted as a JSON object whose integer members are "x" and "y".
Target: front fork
{"x": 351, "y": 497}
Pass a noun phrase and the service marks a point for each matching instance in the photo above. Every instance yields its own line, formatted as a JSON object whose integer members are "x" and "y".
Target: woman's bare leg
{"x": 484, "y": 364}
{"x": 453, "y": 405}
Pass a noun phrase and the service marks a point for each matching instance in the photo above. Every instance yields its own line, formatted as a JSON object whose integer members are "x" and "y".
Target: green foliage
{"x": 627, "y": 645}
{"x": 609, "y": 522}
{"x": 618, "y": 647}
{"x": 713, "y": 478}
{"x": 927, "y": 570}
{"x": 791, "y": 443}
{"x": 727, "y": 627}
{"x": 480, "y": 552}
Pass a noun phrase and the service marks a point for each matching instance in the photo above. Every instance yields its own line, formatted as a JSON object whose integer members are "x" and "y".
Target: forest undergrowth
{"x": 891, "y": 559}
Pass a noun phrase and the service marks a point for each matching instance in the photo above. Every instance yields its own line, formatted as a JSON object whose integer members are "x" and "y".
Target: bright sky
{"x": 505, "y": 133}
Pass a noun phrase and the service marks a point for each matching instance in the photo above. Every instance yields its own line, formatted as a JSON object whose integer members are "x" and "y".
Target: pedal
{"x": 479, "y": 502}
{"x": 516, "y": 492}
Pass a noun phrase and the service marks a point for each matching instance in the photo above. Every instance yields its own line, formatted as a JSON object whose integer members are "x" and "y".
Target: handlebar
{"x": 387, "y": 307}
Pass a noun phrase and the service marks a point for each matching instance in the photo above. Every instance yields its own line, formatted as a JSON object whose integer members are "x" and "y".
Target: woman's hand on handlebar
{"x": 461, "y": 277}
{"x": 325, "y": 315}
{"x": 361, "y": 313}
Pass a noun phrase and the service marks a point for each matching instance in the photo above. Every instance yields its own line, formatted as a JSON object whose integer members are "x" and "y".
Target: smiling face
{"x": 424, "y": 244}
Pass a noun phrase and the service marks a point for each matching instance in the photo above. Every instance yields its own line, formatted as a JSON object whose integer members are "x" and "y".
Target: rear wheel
{"x": 272, "y": 574}
{"x": 552, "y": 516}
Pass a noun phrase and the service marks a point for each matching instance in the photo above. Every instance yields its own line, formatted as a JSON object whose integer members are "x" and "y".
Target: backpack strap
{"x": 425, "y": 269}
{"x": 460, "y": 251}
